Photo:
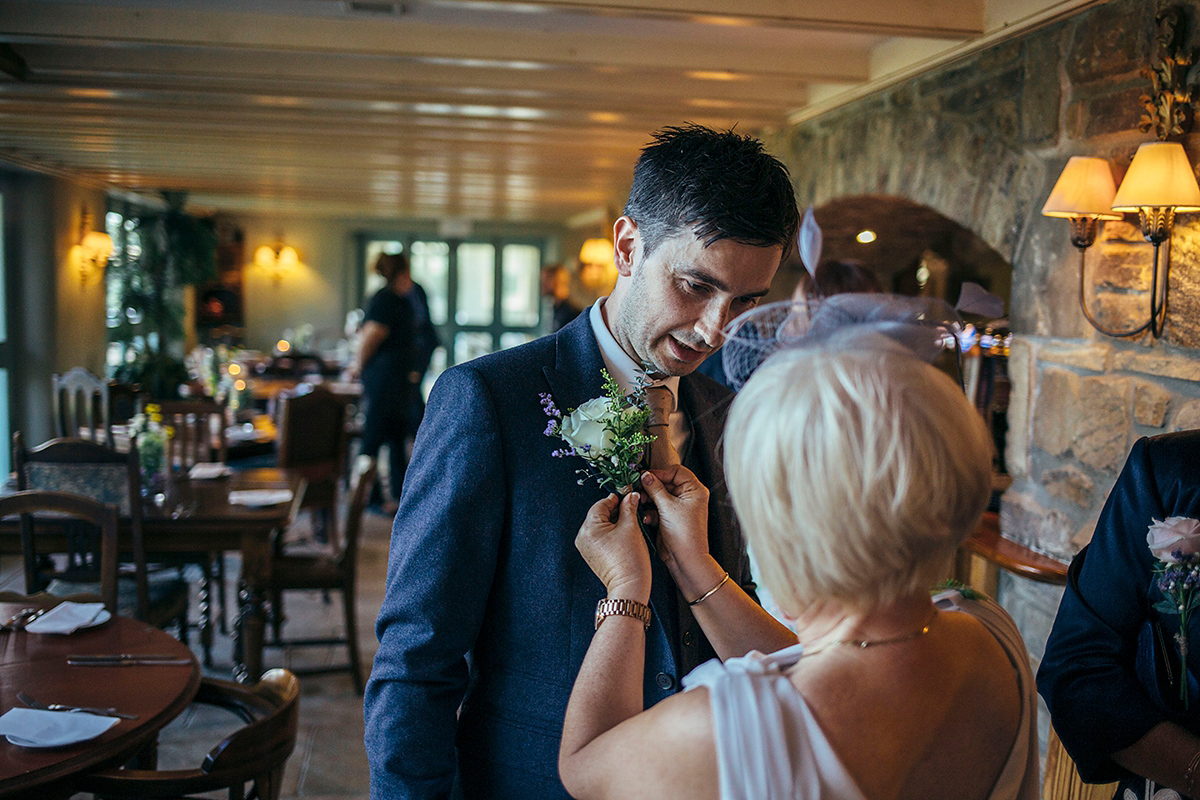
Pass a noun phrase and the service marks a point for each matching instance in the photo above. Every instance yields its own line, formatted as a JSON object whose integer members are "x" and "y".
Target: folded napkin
{"x": 206, "y": 470}
{"x": 260, "y": 497}
{"x": 29, "y": 727}
{"x": 67, "y": 617}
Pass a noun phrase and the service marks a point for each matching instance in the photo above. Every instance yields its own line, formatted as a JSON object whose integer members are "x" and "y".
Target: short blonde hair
{"x": 855, "y": 474}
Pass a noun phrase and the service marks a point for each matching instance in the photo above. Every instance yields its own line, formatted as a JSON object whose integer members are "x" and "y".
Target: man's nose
{"x": 711, "y": 324}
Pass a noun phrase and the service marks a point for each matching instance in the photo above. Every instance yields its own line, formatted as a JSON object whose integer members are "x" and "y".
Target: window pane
{"x": 4, "y": 431}
{"x": 431, "y": 269}
{"x": 513, "y": 338}
{"x": 476, "y": 286}
{"x": 471, "y": 345}
{"x": 375, "y": 281}
{"x": 520, "y": 300}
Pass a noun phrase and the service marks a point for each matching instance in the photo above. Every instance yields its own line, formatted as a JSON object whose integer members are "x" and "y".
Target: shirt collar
{"x": 618, "y": 363}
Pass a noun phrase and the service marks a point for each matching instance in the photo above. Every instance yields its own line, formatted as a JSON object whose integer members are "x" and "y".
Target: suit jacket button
{"x": 687, "y": 637}
{"x": 664, "y": 681}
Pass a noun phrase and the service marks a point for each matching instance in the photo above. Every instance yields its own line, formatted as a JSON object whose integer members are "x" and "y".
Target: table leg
{"x": 204, "y": 601}
{"x": 248, "y": 634}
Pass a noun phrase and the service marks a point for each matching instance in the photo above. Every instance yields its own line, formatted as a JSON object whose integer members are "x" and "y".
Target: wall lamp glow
{"x": 91, "y": 253}
{"x": 278, "y": 259}
{"x": 1159, "y": 183}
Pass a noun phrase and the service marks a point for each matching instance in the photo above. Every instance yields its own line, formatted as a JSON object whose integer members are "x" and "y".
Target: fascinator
{"x": 922, "y": 327}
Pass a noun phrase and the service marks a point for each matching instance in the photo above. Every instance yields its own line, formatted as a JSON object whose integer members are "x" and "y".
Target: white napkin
{"x": 29, "y": 727}
{"x": 260, "y": 497}
{"x": 67, "y": 617}
{"x": 207, "y": 470}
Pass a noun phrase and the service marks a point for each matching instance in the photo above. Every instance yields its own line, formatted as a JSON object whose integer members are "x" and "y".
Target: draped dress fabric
{"x": 770, "y": 747}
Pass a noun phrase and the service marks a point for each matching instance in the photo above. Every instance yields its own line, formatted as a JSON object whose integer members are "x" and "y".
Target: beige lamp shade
{"x": 288, "y": 257}
{"x": 98, "y": 246}
{"x": 1159, "y": 177}
{"x": 596, "y": 251}
{"x": 1084, "y": 189}
{"x": 264, "y": 256}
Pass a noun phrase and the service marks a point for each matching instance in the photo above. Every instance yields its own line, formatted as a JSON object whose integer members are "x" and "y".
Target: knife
{"x": 125, "y": 659}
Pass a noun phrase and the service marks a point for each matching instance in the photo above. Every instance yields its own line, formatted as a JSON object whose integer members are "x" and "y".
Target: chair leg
{"x": 277, "y": 614}
{"x": 352, "y": 637}
{"x": 222, "y": 594}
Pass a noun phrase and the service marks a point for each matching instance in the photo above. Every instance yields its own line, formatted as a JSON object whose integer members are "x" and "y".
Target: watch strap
{"x": 623, "y": 608}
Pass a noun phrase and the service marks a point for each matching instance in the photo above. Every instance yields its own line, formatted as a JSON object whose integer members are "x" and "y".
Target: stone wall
{"x": 982, "y": 141}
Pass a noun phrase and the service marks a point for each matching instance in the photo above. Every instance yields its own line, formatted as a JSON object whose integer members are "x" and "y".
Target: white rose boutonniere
{"x": 607, "y": 432}
{"x": 1175, "y": 542}
{"x": 1173, "y": 535}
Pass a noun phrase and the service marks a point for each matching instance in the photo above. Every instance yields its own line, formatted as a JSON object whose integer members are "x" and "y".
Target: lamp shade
{"x": 288, "y": 257}
{"x": 264, "y": 256}
{"x": 98, "y": 245}
{"x": 1159, "y": 177}
{"x": 1084, "y": 189}
{"x": 596, "y": 251}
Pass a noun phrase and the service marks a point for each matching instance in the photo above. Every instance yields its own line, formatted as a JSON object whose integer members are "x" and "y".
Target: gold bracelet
{"x": 1189, "y": 777}
{"x": 710, "y": 592}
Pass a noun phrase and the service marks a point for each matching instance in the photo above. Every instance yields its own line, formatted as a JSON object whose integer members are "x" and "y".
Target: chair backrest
{"x": 256, "y": 752}
{"x": 361, "y": 479}
{"x": 81, "y": 404}
{"x": 91, "y": 470}
{"x": 90, "y": 547}
{"x": 124, "y": 401}
{"x": 269, "y": 739}
{"x": 198, "y": 431}
{"x": 312, "y": 431}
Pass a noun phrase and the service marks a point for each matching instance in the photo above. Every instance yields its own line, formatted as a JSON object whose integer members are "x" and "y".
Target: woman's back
{"x": 948, "y": 714}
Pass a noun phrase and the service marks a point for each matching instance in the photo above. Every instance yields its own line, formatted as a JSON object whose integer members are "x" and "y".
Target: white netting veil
{"x": 925, "y": 326}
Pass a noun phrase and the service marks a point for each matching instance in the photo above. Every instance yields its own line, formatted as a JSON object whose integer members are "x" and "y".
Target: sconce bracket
{"x": 1169, "y": 107}
{"x": 1156, "y": 223}
{"x": 1083, "y": 231}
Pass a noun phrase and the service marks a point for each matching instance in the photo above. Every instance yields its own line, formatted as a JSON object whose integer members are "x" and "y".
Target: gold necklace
{"x": 862, "y": 644}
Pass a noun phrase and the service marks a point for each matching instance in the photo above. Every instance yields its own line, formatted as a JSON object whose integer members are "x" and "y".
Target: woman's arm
{"x": 1164, "y": 755}
{"x": 733, "y": 623}
{"x": 373, "y": 334}
{"x": 610, "y": 748}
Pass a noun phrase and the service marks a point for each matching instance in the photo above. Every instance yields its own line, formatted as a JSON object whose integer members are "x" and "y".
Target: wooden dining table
{"x": 36, "y": 665}
{"x": 196, "y": 516}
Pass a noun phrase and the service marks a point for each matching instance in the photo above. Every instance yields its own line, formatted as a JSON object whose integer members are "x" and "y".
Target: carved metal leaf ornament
{"x": 1174, "y": 78}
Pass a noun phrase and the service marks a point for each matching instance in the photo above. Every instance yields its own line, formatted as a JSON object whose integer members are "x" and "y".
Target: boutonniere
{"x": 1175, "y": 542}
{"x": 607, "y": 432}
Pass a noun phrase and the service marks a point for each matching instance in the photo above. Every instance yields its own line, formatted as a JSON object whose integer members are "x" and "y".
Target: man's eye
{"x": 695, "y": 288}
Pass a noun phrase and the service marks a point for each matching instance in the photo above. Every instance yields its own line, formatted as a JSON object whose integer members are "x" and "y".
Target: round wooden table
{"x": 36, "y": 664}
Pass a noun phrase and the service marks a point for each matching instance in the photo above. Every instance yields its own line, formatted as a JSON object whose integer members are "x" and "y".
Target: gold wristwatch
{"x": 622, "y": 608}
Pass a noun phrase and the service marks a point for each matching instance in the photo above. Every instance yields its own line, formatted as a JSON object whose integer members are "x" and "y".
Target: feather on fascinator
{"x": 924, "y": 327}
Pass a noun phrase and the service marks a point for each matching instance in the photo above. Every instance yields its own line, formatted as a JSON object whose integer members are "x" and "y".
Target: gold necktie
{"x": 662, "y": 403}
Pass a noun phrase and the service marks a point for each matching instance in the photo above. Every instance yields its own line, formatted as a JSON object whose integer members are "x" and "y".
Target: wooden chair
{"x": 311, "y": 438}
{"x": 328, "y": 572}
{"x": 125, "y": 400}
{"x": 198, "y": 431}
{"x": 198, "y": 437}
{"x": 91, "y": 470}
{"x": 89, "y": 539}
{"x": 81, "y": 403}
{"x": 256, "y": 753}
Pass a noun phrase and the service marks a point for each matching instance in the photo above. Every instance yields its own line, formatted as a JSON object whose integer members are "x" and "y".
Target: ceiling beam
{"x": 945, "y": 19}
{"x": 139, "y": 26}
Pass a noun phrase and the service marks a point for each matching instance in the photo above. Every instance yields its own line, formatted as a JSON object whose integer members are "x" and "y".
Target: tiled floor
{"x": 329, "y": 761}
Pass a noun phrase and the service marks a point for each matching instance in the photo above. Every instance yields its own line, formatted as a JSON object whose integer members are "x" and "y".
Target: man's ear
{"x": 626, "y": 243}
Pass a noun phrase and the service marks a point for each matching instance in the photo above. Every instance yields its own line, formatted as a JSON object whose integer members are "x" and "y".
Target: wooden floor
{"x": 329, "y": 761}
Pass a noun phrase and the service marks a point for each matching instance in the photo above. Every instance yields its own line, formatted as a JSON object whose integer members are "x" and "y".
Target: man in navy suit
{"x": 489, "y": 608}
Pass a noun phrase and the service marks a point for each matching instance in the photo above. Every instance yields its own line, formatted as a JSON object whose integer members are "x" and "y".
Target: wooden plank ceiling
{"x": 471, "y": 109}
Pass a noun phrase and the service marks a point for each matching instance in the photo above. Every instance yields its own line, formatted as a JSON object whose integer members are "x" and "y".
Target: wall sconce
{"x": 1159, "y": 183}
{"x": 90, "y": 255}
{"x": 597, "y": 264}
{"x": 278, "y": 259}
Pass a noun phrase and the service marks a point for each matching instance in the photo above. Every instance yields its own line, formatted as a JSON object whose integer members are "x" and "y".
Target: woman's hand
{"x": 611, "y": 543}
{"x": 682, "y": 503}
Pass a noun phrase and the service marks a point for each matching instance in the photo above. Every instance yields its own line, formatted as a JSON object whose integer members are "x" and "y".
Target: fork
{"x": 104, "y": 712}
{"x": 22, "y": 618}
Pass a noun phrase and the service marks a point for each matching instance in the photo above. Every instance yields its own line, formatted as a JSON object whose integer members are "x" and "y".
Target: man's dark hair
{"x": 389, "y": 265}
{"x": 719, "y": 185}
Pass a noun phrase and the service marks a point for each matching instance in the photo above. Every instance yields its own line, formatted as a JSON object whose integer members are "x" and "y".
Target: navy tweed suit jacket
{"x": 488, "y": 603}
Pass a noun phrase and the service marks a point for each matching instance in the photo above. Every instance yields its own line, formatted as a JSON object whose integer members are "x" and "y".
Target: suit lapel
{"x": 575, "y": 377}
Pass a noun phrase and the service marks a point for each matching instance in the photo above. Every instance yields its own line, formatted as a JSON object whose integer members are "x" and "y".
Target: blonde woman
{"x": 855, "y": 472}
